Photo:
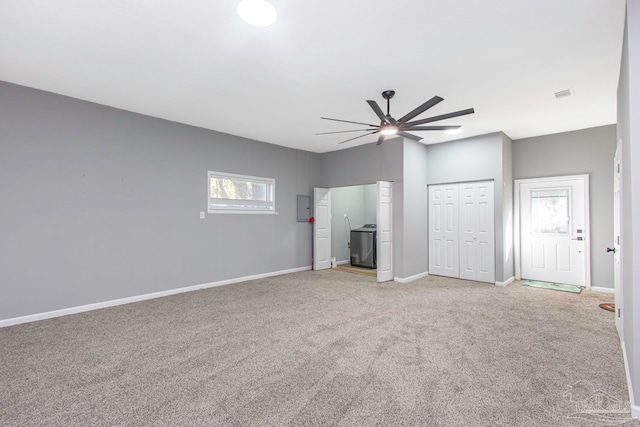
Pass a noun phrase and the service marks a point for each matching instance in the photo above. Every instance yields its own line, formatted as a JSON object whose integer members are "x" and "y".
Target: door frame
{"x": 385, "y": 236}
{"x": 617, "y": 224}
{"x": 516, "y": 221}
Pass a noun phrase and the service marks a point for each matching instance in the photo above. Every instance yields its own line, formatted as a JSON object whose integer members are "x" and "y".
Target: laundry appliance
{"x": 363, "y": 246}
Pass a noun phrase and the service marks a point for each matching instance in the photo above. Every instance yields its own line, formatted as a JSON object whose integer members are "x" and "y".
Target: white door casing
{"x": 322, "y": 229}
{"x": 385, "y": 231}
{"x": 552, "y": 226}
{"x": 443, "y": 230}
{"x": 617, "y": 220}
{"x": 477, "y": 242}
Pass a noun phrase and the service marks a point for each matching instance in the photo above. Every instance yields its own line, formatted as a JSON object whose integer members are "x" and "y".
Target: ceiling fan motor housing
{"x": 388, "y": 94}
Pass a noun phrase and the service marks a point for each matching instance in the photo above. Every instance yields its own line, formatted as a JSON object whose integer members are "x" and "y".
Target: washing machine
{"x": 363, "y": 246}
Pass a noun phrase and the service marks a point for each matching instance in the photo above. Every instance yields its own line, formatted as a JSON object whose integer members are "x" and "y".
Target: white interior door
{"x": 322, "y": 229}
{"x": 616, "y": 237}
{"x": 443, "y": 230}
{"x": 385, "y": 232}
{"x": 477, "y": 242}
{"x": 554, "y": 229}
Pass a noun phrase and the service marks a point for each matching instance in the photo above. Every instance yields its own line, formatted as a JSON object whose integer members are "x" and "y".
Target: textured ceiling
{"x": 196, "y": 62}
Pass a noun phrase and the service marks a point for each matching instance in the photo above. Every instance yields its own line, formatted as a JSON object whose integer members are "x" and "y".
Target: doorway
{"x": 322, "y": 230}
{"x": 552, "y": 230}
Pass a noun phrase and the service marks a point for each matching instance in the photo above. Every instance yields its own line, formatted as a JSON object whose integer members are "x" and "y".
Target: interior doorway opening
{"x": 354, "y": 227}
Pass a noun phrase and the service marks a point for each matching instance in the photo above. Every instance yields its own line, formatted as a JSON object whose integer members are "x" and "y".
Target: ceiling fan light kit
{"x": 390, "y": 126}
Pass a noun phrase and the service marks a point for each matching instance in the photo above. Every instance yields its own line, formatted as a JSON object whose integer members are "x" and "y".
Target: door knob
{"x": 611, "y": 250}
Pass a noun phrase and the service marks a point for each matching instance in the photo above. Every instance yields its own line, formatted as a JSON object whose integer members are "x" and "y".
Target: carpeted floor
{"x": 319, "y": 348}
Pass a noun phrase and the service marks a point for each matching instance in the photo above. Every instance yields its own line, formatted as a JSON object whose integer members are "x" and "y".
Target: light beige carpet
{"x": 318, "y": 348}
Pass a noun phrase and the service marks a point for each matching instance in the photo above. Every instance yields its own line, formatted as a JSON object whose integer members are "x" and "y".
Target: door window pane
{"x": 550, "y": 211}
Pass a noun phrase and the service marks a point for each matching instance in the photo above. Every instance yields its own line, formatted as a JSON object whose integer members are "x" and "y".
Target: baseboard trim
{"x": 603, "y": 290}
{"x": 344, "y": 261}
{"x": 112, "y": 303}
{"x": 635, "y": 409}
{"x": 411, "y": 278}
{"x": 506, "y": 282}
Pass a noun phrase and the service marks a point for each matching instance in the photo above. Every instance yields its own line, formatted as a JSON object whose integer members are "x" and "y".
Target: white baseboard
{"x": 635, "y": 409}
{"x": 506, "y": 282}
{"x": 411, "y": 278}
{"x": 128, "y": 300}
{"x": 603, "y": 290}
{"x": 344, "y": 261}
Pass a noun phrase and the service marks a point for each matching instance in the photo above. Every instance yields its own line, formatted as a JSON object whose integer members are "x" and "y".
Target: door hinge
{"x": 619, "y": 312}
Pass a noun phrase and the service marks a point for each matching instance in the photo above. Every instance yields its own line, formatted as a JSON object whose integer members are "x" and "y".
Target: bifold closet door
{"x": 443, "y": 230}
{"x": 461, "y": 231}
{"x": 477, "y": 243}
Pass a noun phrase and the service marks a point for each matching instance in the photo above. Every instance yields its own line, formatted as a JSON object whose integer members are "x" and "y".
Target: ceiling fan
{"x": 390, "y": 126}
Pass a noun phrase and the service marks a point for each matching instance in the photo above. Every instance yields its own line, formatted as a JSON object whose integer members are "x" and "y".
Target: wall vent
{"x": 563, "y": 93}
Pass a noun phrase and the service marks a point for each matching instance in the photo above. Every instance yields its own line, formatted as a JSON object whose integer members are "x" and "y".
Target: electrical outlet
{"x": 201, "y": 215}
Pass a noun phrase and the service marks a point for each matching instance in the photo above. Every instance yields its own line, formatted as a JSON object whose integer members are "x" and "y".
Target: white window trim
{"x": 269, "y": 181}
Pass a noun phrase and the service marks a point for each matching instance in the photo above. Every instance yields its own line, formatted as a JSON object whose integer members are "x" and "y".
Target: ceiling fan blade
{"x": 361, "y": 136}
{"x": 421, "y": 109}
{"x": 410, "y": 136}
{"x": 442, "y": 117}
{"x": 376, "y": 108}
{"x": 348, "y": 121}
{"x": 380, "y": 139}
{"x": 412, "y": 128}
{"x": 344, "y": 131}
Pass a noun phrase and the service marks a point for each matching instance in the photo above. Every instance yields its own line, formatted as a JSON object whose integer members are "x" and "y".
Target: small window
{"x": 230, "y": 193}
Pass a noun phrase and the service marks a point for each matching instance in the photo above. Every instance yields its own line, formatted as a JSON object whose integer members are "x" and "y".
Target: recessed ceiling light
{"x": 259, "y": 13}
{"x": 453, "y": 131}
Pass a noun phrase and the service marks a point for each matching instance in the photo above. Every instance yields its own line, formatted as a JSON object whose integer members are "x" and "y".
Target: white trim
{"x": 506, "y": 282}
{"x": 635, "y": 409}
{"x": 137, "y": 298}
{"x": 603, "y": 290}
{"x": 411, "y": 278}
{"x": 516, "y": 221}
{"x": 344, "y": 261}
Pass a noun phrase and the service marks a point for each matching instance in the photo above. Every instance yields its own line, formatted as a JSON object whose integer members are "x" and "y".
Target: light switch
{"x": 201, "y": 215}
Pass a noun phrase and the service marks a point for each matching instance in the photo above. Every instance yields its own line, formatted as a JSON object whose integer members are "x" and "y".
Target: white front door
{"x": 385, "y": 232}
{"x": 617, "y": 177}
{"x": 322, "y": 229}
{"x": 477, "y": 242}
{"x": 443, "y": 230}
{"x": 554, "y": 229}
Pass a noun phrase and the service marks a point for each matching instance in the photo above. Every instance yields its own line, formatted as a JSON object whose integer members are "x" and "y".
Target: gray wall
{"x": 100, "y": 204}
{"x": 415, "y": 259}
{"x": 628, "y": 133}
{"x": 507, "y": 207}
{"x": 366, "y": 164}
{"x": 587, "y": 151}
{"x": 356, "y": 202}
{"x": 477, "y": 159}
{"x": 370, "y": 204}
{"x": 402, "y": 162}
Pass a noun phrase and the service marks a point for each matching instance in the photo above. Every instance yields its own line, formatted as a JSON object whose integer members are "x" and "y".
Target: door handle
{"x": 611, "y": 250}
{"x": 578, "y": 238}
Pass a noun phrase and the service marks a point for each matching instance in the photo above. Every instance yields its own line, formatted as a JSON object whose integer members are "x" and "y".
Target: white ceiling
{"x": 196, "y": 62}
